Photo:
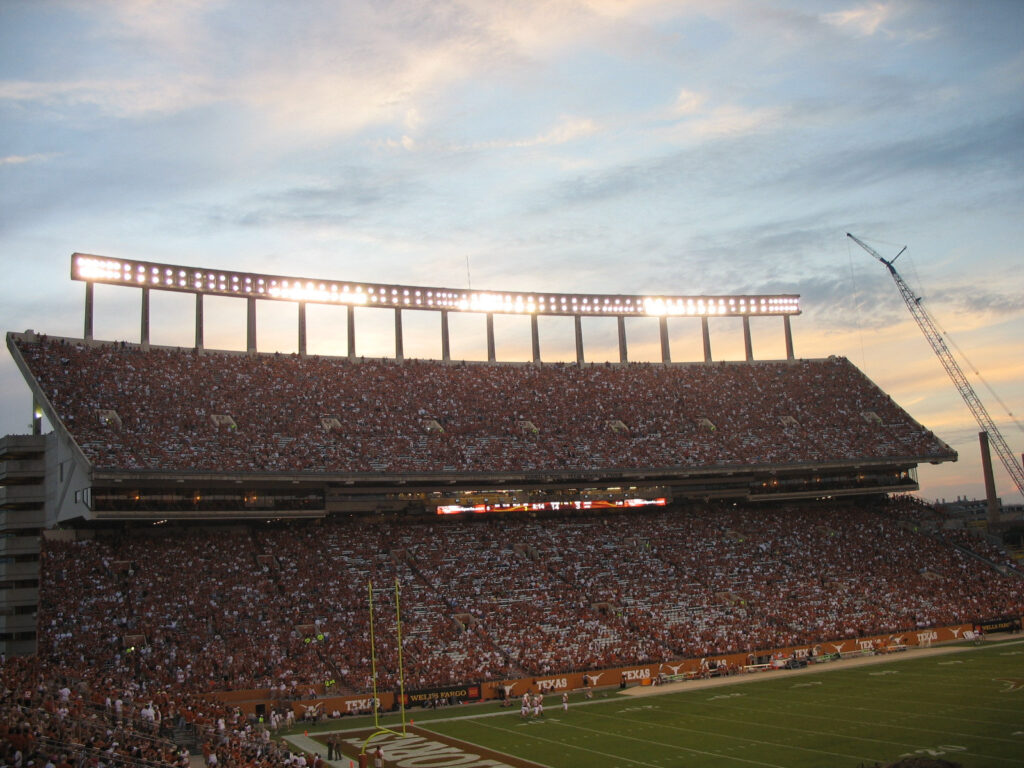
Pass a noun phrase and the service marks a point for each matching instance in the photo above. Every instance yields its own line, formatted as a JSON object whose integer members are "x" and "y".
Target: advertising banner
{"x": 451, "y": 695}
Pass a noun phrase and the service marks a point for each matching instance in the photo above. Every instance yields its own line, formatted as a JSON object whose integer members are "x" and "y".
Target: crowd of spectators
{"x": 111, "y": 720}
{"x": 975, "y": 541}
{"x": 285, "y": 607}
{"x": 63, "y": 722}
{"x": 295, "y": 413}
{"x": 137, "y": 627}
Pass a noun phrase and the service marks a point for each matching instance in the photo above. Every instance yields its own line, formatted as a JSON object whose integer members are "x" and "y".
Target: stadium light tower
{"x": 253, "y": 286}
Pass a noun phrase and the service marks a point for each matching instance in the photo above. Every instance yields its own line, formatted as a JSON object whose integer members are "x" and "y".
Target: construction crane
{"x": 949, "y": 362}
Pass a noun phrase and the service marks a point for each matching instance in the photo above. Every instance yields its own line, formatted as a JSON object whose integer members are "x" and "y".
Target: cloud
{"x": 355, "y": 70}
{"x": 126, "y": 98}
{"x": 687, "y": 103}
{"x": 863, "y": 20}
{"x": 320, "y": 69}
{"x": 879, "y": 18}
{"x": 695, "y": 116}
{"x": 23, "y": 159}
{"x": 358, "y": 192}
{"x": 566, "y": 129}
{"x": 977, "y": 302}
{"x": 731, "y": 120}
{"x": 157, "y": 24}
{"x": 993, "y": 146}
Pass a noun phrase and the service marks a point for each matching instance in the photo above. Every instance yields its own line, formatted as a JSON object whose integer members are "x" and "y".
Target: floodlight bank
{"x": 252, "y": 286}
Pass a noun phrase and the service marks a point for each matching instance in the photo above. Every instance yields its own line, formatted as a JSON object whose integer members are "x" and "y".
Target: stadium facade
{"x": 143, "y": 434}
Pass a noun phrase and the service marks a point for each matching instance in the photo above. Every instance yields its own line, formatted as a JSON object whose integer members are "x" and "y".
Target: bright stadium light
{"x": 538, "y": 506}
{"x": 170, "y": 277}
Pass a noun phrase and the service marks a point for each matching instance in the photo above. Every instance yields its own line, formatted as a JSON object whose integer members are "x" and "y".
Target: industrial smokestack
{"x": 990, "y": 483}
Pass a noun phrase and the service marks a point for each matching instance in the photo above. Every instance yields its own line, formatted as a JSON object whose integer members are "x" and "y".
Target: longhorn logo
{"x": 1012, "y": 683}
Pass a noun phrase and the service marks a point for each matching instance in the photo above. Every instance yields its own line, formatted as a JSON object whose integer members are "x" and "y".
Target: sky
{"x": 610, "y": 146}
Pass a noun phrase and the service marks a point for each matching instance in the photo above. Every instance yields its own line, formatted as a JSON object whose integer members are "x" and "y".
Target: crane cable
{"x": 981, "y": 378}
{"x": 964, "y": 357}
{"x": 857, "y": 304}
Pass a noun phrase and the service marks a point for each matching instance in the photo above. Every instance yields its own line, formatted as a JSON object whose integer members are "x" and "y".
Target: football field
{"x": 964, "y": 705}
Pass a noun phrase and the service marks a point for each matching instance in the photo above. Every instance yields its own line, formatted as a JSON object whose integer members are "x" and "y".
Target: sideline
{"x": 310, "y": 745}
{"x": 912, "y": 652}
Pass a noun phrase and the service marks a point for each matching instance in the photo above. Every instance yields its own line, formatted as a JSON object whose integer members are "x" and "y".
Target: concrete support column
{"x": 490, "y": 337}
{"x": 579, "y": 338}
{"x": 250, "y": 326}
{"x": 747, "y": 346}
{"x": 199, "y": 321}
{"x": 623, "y": 354}
{"x": 399, "y": 347}
{"x": 706, "y": 334}
{"x": 144, "y": 330}
{"x": 351, "y": 332}
{"x": 302, "y": 328}
{"x": 789, "y": 336}
{"x": 535, "y": 338}
{"x": 446, "y": 344}
{"x": 87, "y": 333}
{"x": 666, "y": 353}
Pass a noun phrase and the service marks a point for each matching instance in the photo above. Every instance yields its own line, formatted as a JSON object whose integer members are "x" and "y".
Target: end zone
{"x": 419, "y": 749}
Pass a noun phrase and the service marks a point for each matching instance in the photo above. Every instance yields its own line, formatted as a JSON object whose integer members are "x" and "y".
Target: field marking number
{"x": 942, "y": 749}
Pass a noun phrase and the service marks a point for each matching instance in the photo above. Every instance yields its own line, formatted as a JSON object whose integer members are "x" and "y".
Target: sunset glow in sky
{"x": 606, "y": 146}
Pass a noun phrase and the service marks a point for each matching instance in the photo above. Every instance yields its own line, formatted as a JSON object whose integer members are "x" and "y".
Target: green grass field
{"x": 967, "y": 707}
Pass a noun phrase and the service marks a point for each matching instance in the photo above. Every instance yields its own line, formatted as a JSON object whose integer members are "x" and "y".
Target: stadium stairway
{"x": 271, "y": 568}
{"x": 185, "y": 737}
{"x": 442, "y": 594}
{"x": 981, "y": 558}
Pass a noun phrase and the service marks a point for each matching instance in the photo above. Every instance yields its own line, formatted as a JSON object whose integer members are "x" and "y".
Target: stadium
{"x": 210, "y": 543}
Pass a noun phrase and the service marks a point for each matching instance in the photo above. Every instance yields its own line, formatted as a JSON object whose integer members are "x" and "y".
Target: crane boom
{"x": 927, "y": 326}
